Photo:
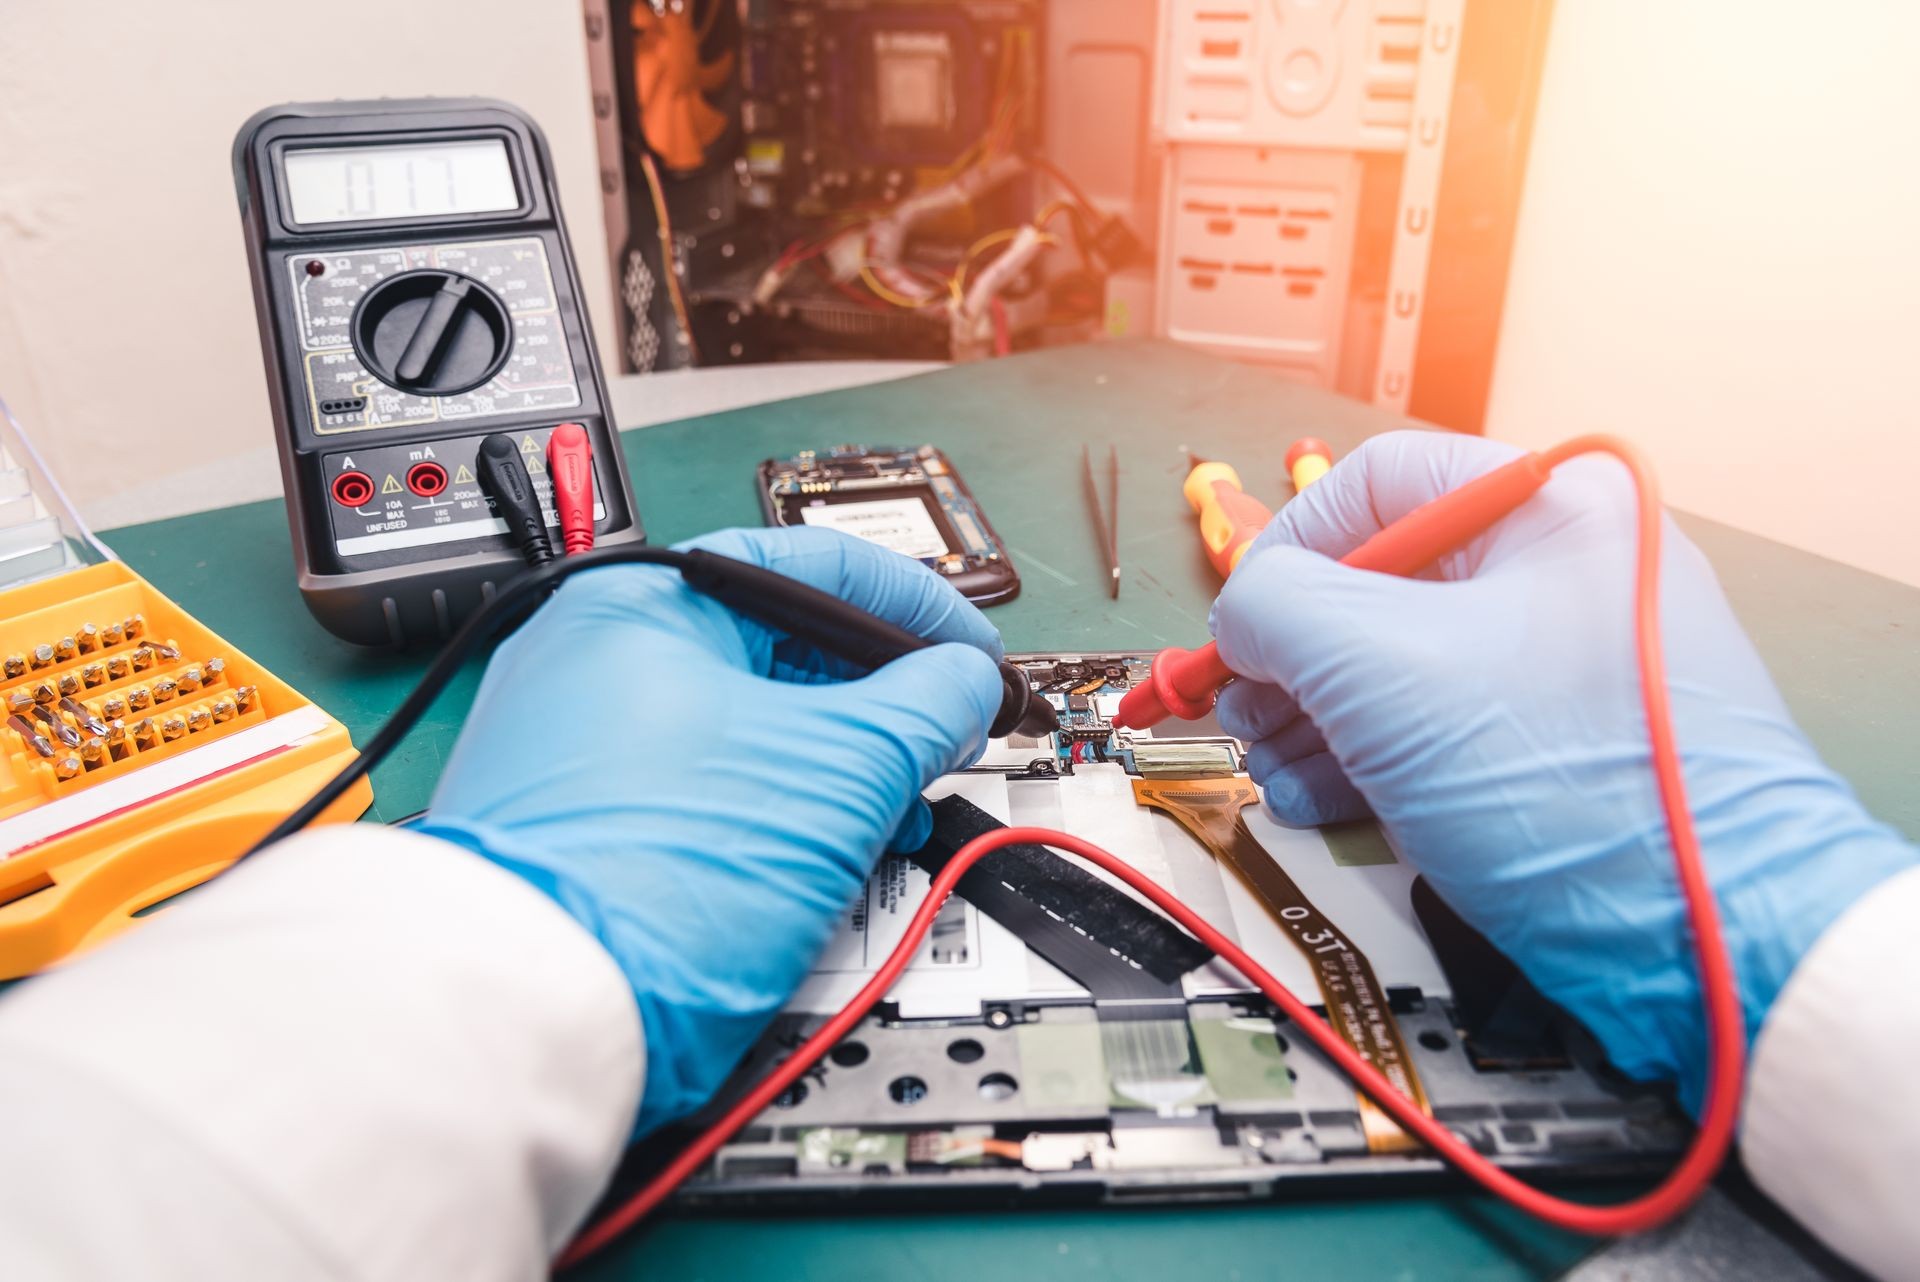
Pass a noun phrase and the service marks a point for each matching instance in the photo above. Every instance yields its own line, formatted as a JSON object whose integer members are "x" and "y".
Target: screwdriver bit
{"x": 61, "y": 730}
{"x": 80, "y": 713}
{"x": 35, "y": 740}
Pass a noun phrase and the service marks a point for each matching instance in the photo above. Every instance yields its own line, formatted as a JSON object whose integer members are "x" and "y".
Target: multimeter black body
{"x": 416, "y": 293}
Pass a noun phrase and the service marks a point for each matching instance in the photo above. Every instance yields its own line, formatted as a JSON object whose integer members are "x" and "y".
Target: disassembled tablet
{"x": 909, "y": 501}
{"x": 1060, "y": 1041}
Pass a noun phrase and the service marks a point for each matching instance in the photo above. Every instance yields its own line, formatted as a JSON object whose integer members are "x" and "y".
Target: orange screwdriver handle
{"x": 1307, "y": 461}
{"x": 1185, "y": 683}
{"x": 1230, "y": 518}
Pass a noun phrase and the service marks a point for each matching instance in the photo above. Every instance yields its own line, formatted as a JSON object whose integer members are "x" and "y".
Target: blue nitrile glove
{"x": 1493, "y": 724}
{"x": 693, "y": 789}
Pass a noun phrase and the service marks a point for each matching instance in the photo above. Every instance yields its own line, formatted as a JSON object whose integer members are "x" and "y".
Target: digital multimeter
{"x": 416, "y": 293}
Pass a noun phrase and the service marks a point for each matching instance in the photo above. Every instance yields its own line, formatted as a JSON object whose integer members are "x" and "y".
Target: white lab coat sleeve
{"x": 365, "y": 1054}
{"x": 1832, "y": 1125}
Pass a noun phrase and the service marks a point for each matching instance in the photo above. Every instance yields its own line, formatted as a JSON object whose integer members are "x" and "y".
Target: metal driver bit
{"x": 81, "y": 713}
{"x": 35, "y": 740}
{"x": 61, "y": 730}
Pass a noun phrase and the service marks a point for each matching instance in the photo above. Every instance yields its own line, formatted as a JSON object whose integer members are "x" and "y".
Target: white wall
{"x": 119, "y": 233}
{"x": 1719, "y": 257}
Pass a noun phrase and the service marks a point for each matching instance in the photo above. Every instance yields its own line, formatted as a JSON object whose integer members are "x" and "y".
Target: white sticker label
{"x": 899, "y": 525}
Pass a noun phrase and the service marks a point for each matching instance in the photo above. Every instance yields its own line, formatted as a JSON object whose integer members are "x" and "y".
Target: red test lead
{"x": 1185, "y": 682}
{"x": 570, "y": 464}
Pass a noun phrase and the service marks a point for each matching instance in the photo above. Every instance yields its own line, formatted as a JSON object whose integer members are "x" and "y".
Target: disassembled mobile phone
{"x": 1059, "y": 1040}
{"x": 910, "y": 501}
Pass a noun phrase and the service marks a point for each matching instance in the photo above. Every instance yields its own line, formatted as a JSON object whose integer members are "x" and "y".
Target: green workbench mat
{"x": 1839, "y": 641}
{"x": 1457, "y": 1238}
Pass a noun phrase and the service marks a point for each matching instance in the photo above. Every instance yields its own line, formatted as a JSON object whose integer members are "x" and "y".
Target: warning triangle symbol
{"x": 529, "y": 446}
{"x": 536, "y": 467}
{"x": 463, "y": 476}
{"x": 390, "y": 486}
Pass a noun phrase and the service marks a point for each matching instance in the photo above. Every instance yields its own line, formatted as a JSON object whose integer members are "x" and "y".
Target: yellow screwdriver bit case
{"x": 138, "y": 765}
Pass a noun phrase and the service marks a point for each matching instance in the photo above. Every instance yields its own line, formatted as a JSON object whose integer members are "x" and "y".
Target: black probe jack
{"x": 504, "y": 476}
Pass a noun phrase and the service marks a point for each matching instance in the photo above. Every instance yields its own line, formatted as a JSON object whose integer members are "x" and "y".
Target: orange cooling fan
{"x": 672, "y": 82}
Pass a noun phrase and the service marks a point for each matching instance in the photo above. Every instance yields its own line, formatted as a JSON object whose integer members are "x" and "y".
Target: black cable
{"x": 528, "y": 589}
{"x": 798, "y": 609}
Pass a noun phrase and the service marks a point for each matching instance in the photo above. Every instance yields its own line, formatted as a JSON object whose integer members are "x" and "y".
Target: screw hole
{"x": 966, "y": 1051}
{"x": 849, "y": 1054}
{"x": 995, "y": 1087}
{"x": 1433, "y": 1041}
{"x": 907, "y": 1091}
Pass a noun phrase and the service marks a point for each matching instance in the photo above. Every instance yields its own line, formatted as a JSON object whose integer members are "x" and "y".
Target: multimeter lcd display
{"x": 423, "y": 180}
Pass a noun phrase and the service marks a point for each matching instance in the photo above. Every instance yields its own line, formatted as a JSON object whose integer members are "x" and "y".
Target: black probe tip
{"x": 1023, "y": 710}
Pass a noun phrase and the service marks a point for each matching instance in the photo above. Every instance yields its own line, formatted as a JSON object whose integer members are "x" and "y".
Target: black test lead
{"x": 504, "y": 476}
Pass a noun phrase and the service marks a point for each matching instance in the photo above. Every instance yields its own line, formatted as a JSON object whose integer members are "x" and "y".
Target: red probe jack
{"x": 570, "y": 464}
{"x": 1186, "y": 682}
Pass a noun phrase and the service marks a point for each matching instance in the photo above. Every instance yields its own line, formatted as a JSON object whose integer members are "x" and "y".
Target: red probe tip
{"x": 1304, "y": 446}
{"x": 570, "y": 464}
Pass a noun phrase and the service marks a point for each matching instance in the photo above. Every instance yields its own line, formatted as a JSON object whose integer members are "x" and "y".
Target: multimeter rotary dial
{"x": 432, "y": 333}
